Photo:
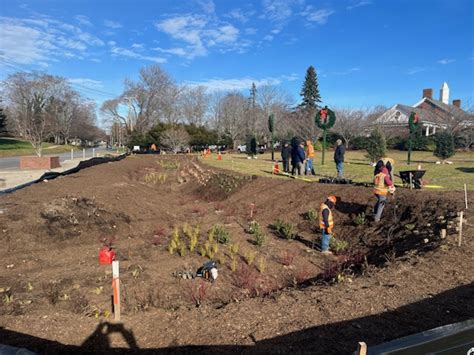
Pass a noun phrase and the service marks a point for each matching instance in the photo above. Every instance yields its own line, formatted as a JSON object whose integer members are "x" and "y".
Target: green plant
{"x": 253, "y": 227}
{"x": 262, "y": 264}
{"x": 8, "y": 299}
{"x": 338, "y": 245}
{"x": 234, "y": 248}
{"x": 444, "y": 145}
{"x": 221, "y": 234}
{"x": 202, "y": 251}
{"x": 376, "y": 145}
{"x": 311, "y": 215}
{"x": 233, "y": 265}
{"x": 285, "y": 229}
{"x": 259, "y": 238}
{"x": 250, "y": 257}
{"x": 360, "y": 219}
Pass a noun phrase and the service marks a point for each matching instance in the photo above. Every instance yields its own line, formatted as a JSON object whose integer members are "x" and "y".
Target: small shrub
{"x": 285, "y": 229}
{"x": 198, "y": 293}
{"x": 247, "y": 279}
{"x": 202, "y": 251}
{"x": 259, "y": 238}
{"x": 221, "y": 234}
{"x": 253, "y": 227}
{"x": 311, "y": 215}
{"x": 287, "y": 257}
{"x": 234, "y": 249}
{"x": 360, "y": 219}
{"x": 250, "y": 257}
{"x": 338, "y": 245}
{"x": 182, "y": 250}
{"x": 52, "y": 292}
{"x": 262, "y": 264}
{"x": 233, "y": 265}
{"x": 221, "y": 259}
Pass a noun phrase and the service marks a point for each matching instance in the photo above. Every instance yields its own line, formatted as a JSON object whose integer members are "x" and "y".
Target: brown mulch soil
{"x": 395, "y": 278}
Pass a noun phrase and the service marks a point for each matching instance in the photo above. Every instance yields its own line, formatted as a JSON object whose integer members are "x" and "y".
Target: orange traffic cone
{"x": 219, "y": 156}
{"x": 276, "y": 168}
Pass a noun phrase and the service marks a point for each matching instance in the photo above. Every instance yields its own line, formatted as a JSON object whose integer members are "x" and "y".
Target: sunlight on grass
{"x": 14, "y": 147}
{"x": 357, "y": 168}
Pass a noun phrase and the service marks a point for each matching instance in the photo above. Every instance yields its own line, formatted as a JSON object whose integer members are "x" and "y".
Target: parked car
{"x": 242, "y": 148}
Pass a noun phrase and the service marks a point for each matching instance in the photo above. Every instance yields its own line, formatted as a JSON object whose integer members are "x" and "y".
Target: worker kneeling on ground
{"x": 383, "y": 185}
{"x": 326, "y": 222}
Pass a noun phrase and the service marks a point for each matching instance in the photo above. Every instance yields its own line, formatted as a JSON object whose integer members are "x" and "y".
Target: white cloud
{"x": 176, "y": 51}
{"x": 90, "y": 83}
{"x": 446, "y": 61}
{"x": 214, "y": 85}
{"x": 128, "y": 53}
{"x": 278, "y": 10}
{"x": 319, "y": 16}
{"x": 83, "y": 20}
{"x": 207, "y": 6}
{"x": 239, "y": 15}
{"x": 199, "y": 33}
{"x": 359, "y": 4}
{"x": 416, "y": 70}
{"x": 268, "y": 38}
{"x": 112, "y": 24}
{"x": 137, "y": 45}
{"x": 43, "y": 39}
{"x": 250, "y": 31}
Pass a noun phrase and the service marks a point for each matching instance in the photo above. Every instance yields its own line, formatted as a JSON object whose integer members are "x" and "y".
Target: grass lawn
{"x": 357, "y": 168}
{"x": 13, "y": 147}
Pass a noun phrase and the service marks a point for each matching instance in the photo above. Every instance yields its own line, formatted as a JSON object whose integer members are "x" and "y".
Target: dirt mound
{"x": 284, "y": 285}
{"x": 70, "y": 216}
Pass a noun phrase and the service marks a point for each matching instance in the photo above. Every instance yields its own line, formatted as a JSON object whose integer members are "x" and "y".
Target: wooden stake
{"x": 461, "y": 217}
{"x": 465, "y": 195}
{"x": 411, "y": 183}
{"x": 361, "y": 348}
{"x": 72, "y": 154}
{"x": 116, "y": 289}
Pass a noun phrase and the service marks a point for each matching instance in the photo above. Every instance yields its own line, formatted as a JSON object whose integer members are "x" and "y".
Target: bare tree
{"x": 350, "y": 123}
{"x": 30, "y": 97}
{"x": 175, "y": 138}
{"x": 144, "y": 102}
{"x": 230, "y": 116}
{"x": 194, "y": 104}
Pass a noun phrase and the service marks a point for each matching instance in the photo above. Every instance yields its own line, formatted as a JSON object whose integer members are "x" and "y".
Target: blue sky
{"x": 366, "y": 52}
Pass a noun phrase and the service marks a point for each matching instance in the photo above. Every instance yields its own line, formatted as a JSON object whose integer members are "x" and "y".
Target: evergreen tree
{"x": 444, "y": 145}
{"x": 310, "y": 91}
{"x": 253, "y": 97}
{"x": 376, "y": 145}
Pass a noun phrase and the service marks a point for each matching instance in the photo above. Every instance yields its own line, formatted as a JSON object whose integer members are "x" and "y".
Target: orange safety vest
{"x": 380, "y": 187}
{"x": 309, "y": 151}
{"x": 322, "y": 225}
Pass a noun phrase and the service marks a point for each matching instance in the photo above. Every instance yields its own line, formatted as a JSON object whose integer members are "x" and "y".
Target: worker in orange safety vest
{"x": 326, "y": 222}
{"x": 383, "y": 185}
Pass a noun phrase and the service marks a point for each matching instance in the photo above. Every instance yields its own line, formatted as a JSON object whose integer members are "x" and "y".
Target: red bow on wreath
{"x": 416, "y": 118}
{"x": 324, "y": 115}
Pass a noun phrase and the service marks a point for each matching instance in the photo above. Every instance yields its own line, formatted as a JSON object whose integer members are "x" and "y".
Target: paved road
{"x": 12, "y": 163}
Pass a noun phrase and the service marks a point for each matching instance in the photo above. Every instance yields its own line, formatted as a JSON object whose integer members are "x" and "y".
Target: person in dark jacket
{"x": 339, "y": 158}
{"x": 297, "y": 158}
{"x": 285, "y": 156}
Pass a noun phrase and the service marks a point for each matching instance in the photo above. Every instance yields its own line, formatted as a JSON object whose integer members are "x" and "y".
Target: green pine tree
{"x": 310, "y": 90}
{"x": 376, "y": 145}
{"x": 253, "y": 97}
{"x": 444, "y": 145}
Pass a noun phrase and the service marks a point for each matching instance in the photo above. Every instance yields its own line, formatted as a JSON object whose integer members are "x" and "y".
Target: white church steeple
{"x": 444, "y": 93}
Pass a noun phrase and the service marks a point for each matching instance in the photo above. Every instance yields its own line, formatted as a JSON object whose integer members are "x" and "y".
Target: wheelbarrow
{"x": 412, "y": 178}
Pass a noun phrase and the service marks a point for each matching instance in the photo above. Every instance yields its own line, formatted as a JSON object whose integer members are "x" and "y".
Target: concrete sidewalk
{"x": 11, "y": 178}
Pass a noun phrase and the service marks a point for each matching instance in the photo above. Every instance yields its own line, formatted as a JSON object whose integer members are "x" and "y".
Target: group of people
{"x": 383, "y": 186}
{"x": 302, "y": 156}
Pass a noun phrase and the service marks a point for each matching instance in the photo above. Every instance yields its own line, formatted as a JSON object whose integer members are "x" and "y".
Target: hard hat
{"x": 332, "y": 198}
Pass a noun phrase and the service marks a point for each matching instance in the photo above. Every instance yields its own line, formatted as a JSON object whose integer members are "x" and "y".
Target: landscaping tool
{"x": 208, "y": 271}
{"x": 412, "y": 178}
